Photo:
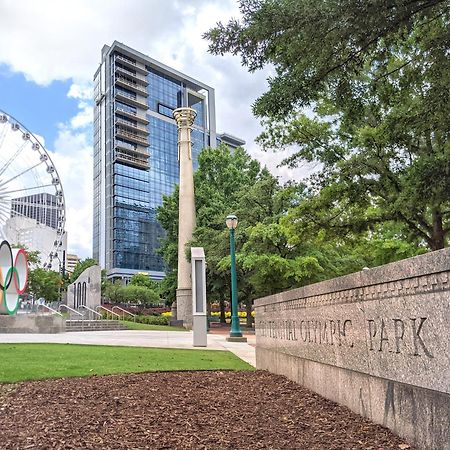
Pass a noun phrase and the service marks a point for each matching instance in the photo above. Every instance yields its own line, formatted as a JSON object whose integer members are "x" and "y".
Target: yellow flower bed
{"x": 241, "y": 314}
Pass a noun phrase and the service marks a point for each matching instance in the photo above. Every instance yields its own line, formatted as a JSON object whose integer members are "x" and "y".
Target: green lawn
{"x": 144, "y": 326}
{"x": 20, "y": 362}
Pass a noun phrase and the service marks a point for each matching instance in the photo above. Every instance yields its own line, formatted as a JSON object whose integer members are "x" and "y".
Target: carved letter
{"x": 304, "y": 337}
{"x": 372, "y": 332}
{"x": 323, "y": 334}
{"x": 417, "y": 339}
{"x": 383, "y": 336}
{"x": 340, "y": 332}
{"x": 399, "y": 330}
{"x": 315, "y": 331}
{"x": 347, "y": 322}
{"x": 332, "y": 331}
{"x": 309, "y": 331}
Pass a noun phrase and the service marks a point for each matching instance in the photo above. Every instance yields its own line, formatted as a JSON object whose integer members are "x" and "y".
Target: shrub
{"x": 132, "y": 294}
{"x": 153, "y": 320}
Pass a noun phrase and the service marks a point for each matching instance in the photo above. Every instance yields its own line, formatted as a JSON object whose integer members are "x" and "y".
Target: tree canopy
{"x": 143, "y": 280}
{"x": 319, "y": 47}
{"x": 81, "y": 266}
{"x": 44, "y": 284}
{"x": 375, "y": 78}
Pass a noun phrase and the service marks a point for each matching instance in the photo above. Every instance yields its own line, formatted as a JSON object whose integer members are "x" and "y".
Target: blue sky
{"x": 51, "y": 49}
{"x": 39, "y": 108}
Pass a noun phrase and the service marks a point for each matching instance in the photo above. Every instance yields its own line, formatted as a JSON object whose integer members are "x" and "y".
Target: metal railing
{"x": 132, "y": 63}
{"x": 133, "y": 98}
{"x": 125, "y": 145}
{"x": 132, "y": 125}
{"x": 136, "y": 150}
{"x": 121, "y": 110}
{"x": 124, "y": 311}
{"x": 143, "y": 163}
{"x": 108, "y": 311}
{"x": 53, "y": 311}
{"x": 133, "y": 74}
{"x": 99, "y": 316}
{"x": 132, "y": 85}
{"x": 71, "y": 310}
{"x": 132, "y": 136}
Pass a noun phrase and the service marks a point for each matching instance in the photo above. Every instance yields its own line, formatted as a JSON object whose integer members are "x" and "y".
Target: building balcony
{"x": 131, "y": 100}
{"x": 136, "y": 77}
{"x": 130, "y": 126}
{"x": 126, "y": 83}
{"x": 131, "y": 115}
{"x": 131, "y": 160}
{"x": 133, "y": 137}
{"x": 138, "y": 67}
{"x": 141, "y": 152}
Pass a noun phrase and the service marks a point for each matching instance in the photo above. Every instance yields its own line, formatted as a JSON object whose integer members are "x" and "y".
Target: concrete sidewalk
{"x": 135, "y": 338}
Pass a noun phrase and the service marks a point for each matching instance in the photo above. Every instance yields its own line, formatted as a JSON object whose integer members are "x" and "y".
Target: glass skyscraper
{"x": 136, "y": 154}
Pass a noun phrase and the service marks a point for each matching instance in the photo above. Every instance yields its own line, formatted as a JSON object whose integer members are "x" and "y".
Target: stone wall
{"x": 377, "y": 341}
{"x": 32, "y": 323}
{"x": 86, "y": 290}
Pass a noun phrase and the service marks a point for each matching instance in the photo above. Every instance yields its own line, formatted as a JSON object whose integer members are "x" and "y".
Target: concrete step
{"x": 94, "y": 325}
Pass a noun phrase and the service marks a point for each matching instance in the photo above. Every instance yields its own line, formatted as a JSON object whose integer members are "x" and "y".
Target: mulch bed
{"x": 181, "y": 410}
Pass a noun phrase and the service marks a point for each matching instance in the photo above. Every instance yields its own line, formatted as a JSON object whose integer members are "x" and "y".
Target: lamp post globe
{"x": 235, "y": 331}
{"x": 231, "y": 221}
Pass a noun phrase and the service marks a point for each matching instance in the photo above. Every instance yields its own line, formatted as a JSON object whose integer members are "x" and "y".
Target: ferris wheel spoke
{"x": 13, "y": 157}
{"x": 5, "y": 211}
{"x": 27, "y": 189}
{"x": 4, "y": 214}
{"x": 3, "y": 183}
{"x": 27, "y": 177}
{"x": 3, "y": 135}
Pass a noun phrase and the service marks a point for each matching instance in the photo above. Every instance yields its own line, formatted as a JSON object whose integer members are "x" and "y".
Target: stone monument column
{"x": 186, "y": 213}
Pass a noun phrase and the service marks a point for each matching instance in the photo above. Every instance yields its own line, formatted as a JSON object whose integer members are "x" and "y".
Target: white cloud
{"x": 49, "y": 40}
{"x": 83, "y": 117}
{"x": 72, "y": 156}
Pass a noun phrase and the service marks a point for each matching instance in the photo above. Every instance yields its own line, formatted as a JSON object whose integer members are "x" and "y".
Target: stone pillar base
{"x": 173, "y": 320}
{"x": 200, "y": 333}
{"x": 236, "y": 339}
{"x": 184, "y": 307}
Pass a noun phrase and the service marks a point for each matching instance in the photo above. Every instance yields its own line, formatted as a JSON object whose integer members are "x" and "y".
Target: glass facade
{"x": 133, "y": 188}
{"x": 163, "y": 91}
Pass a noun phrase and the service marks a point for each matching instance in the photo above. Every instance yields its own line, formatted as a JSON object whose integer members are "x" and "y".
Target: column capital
{"x": 184, "y": 117}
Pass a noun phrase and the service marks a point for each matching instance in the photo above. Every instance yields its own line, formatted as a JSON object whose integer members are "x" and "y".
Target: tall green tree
{"x": 142, "y": 279}
{"x": 272, "y": 260}
{"x": 81, "y": 267}
{"x": 375, "y": 77}
{"x": 44, "y": 284}
{"x": 219, "y": 180}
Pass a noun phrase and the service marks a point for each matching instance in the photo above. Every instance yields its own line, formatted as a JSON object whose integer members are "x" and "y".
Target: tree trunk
{"x": 438, "y": 237}
{"x": 222, "y": 310}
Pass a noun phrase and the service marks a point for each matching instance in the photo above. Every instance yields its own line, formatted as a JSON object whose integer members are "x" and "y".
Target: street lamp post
{"x": 235, "y": 332}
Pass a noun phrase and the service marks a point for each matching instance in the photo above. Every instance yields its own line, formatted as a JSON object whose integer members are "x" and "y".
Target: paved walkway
{"x": 133, "y": 338}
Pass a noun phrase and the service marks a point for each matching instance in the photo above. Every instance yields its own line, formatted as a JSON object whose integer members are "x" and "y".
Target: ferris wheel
{"x": 32, "y": 205}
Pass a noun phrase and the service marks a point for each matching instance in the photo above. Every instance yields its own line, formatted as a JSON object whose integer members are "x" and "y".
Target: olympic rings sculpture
{"x": 13, "y": 277}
